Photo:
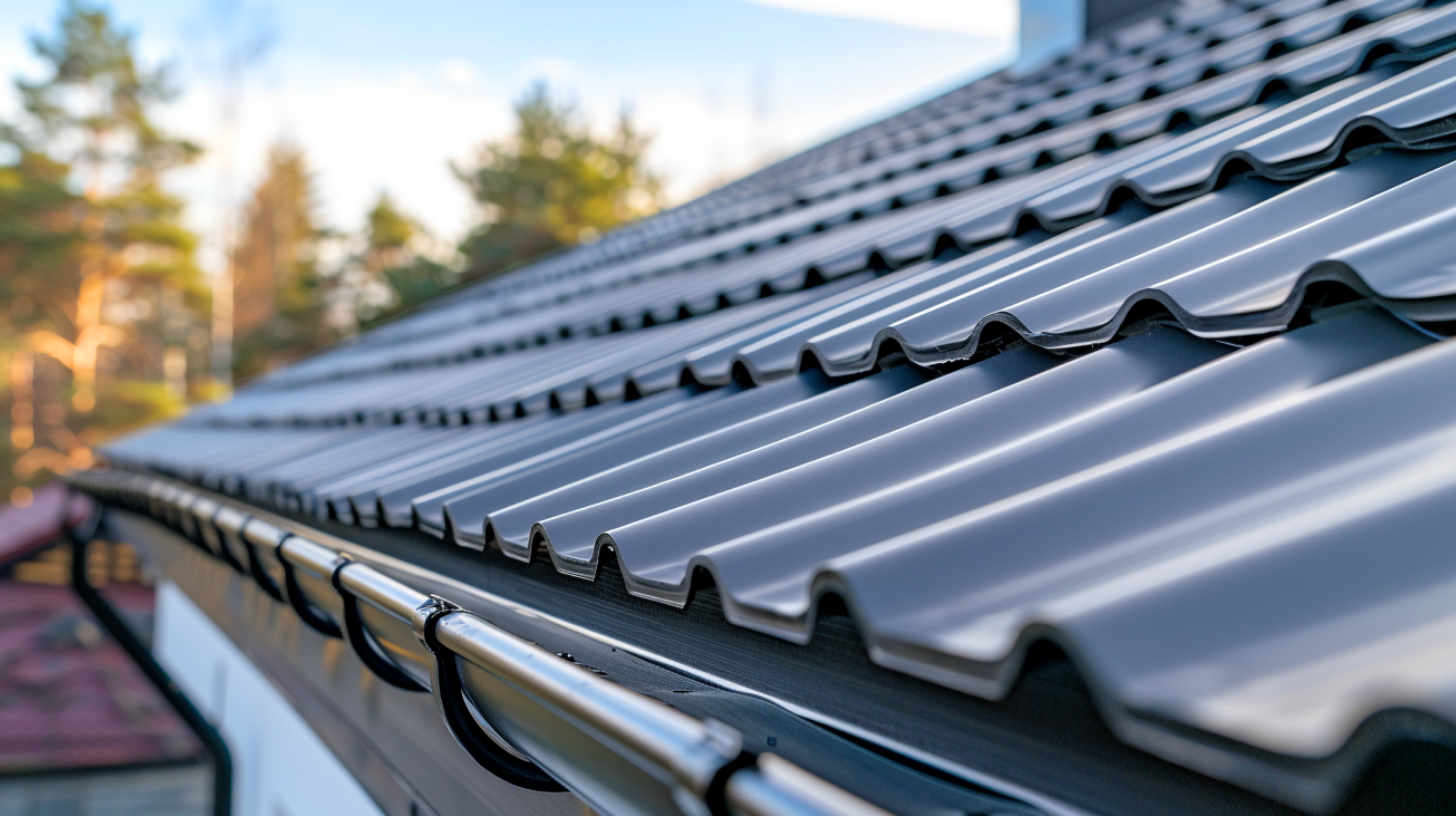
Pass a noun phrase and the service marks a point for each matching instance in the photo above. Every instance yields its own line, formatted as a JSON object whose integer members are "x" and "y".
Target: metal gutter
{"x": 522, "y": 712}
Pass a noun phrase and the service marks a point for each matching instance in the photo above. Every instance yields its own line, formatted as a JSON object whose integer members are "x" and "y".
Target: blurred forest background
{"x": 107, "y": 322}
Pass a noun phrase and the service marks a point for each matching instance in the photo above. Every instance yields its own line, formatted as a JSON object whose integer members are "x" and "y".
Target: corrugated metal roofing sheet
{"x": 1176, "y": 398}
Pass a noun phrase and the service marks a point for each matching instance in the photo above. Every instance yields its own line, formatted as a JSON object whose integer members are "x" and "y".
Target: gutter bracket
{"x": 316, "y": 619}
{"x": 383, "y": 667}
{"x": 487, "y": 748}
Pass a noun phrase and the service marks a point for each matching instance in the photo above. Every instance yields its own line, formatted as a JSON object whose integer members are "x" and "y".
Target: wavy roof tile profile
{"x": 1172, "y": 392}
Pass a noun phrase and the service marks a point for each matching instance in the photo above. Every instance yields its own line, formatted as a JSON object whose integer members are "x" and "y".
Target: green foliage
{"x": 419, "y": 280}
{"x": 129, "y": 403}
{"x": 96, "y": 266}
{"x": 39, "y": 238}
{"x": 391, "y": 256}
{"x": 554, "y": 183}
{"x": 551, "y": 183}
{"x": 389, "y": 229}
{"x": 280, "y": 293}
{"x": 97, "y": 91}
{"x": 91, "y": 116}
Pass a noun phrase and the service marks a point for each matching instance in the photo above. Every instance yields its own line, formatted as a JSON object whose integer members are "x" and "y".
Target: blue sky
{"x": 384, "y": 94}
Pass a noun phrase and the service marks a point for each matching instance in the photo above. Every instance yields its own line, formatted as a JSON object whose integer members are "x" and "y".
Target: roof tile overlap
{"x": 1141, "y": 353}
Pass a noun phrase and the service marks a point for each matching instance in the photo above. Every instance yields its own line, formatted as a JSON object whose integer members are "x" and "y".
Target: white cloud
{"x": 459, "y": 73}
{"x": 979, "y": 18}
{"x": 555, "y": 71}
{"x": 982, "y": 18}
{"x": 16, "y": 60}
{"x": 362, "y": 133}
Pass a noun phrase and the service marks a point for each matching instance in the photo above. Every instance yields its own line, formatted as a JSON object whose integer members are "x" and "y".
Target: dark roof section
{"x": 70, "y": 699}
{"x": 1101, "y": 15}
{"x": 1141, "y": 355}
{"x": 24, "y": 530}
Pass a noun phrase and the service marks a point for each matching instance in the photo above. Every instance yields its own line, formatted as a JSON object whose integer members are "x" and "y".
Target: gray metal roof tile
{"x": 1175, "y": 398}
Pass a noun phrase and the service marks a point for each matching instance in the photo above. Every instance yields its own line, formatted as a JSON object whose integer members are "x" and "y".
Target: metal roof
{"x": 1142, "y": 354}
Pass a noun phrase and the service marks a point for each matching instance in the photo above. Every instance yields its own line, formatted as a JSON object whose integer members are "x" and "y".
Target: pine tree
{"x": 391, "y": 254}
{"x": 103, "y": 277}
{"x": 554, "y": 183}
{"x": 280, "y": 295}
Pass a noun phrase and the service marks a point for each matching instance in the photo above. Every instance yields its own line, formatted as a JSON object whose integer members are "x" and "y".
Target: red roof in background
{"x": 69, "y": 696}
{"x": 24, "y": 530}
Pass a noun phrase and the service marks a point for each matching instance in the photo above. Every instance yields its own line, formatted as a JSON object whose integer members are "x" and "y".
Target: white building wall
{"x": 280, "y": 767}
